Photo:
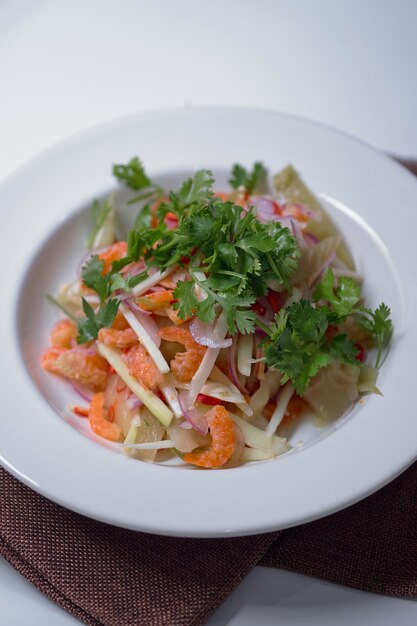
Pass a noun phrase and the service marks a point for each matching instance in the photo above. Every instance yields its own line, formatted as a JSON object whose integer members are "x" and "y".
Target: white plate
{"x": 371, "y": 198}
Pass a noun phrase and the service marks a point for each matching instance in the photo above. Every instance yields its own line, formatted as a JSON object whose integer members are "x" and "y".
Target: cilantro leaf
{"x": 343, "y": 349}
{"x": 132, "y": 174}
{"x": 250, "y": 181}
{"x": 307, "y": 323}
{"x": 299, "y": 347}
{"x": 126, "y": 282}
{"x": 206, "y": 311}
{"x": 382, "y": 322}
{"x": 107, "y": 313}
{"x": 343, "y": 298}
{"x": 140, "y": 243}
{"x": 93, "y": 278}
{"x": 379, "y": 324}
{"x": 187, "y": 301}
{"x": 241, "y": 320}
{"x": 89, "y": 326}
{"x": 195, "y": 190}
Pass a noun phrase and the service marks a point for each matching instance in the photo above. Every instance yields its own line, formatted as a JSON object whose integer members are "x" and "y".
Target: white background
{"x": 68, "y": 65}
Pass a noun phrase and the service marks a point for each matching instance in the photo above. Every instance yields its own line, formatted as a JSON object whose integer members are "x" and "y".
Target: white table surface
{"x": 65, "y": 66}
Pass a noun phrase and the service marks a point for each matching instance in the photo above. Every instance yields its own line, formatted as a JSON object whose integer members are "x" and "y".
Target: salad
{"x": 217, "y": 320}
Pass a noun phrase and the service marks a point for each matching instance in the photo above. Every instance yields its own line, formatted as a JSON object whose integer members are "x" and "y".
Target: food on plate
{"x": 217, "y": 320}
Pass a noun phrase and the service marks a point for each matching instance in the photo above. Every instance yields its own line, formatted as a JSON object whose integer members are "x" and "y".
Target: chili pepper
{"x": 208, "y": 400}
{"x": 81, "y": 411}
{"x": 360, "y": 355}
{"x": 275, "y": 300}
{"x": 258, "y": 308}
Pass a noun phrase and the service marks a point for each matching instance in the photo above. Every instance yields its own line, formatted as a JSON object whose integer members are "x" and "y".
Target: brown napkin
{"x": 106, "y": 576}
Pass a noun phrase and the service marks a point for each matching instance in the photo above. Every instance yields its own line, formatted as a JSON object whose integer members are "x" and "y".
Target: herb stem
{"x": 263, "y": 326}
{"x": 60, "y": 306}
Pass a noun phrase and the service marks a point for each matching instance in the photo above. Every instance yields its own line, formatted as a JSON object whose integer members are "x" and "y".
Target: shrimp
{"x": 185, "y": 364}
{"x": 116, "y": 252}
{"x": 120, "y": 322}
{"x": 87, "y": 369}
{"x": 142, "y": 366}
{"x": 63, "y": 333}
{"x": 97, "y": 415}
{"x": 154, "y": 301}
{"x": 222, "y": 433}
{"x": 174, "y": 317}
{"x": 117, "y": 338}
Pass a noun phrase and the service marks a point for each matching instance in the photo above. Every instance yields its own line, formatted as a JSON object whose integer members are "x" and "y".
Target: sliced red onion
{"x": 265, "y": 208}
{"x": 90, "y": 351}
{"x": 92, "y": 299}
{"x": 204, "y": 335}
{"x": 231, "y": 363}
{"x": 194, "y": 416}
{"x": 133, "y": 269}
{"x": 312, "y": 239}
{"x": 84, "y": 392}
{"x": 303, "y": 209}
{"x": 186, "y": 425}
{"x": 316, "y": 277}
{"x": 135, "y": 308}
{"x": 157, "y": 289}
{"x": 133, "y": 402}
{"x": 181, "y": 274}
{"x": 267, "y": 317}
{"x": 296, "y": 229}
{"x": 171, "y": 224}
{"x": 88, "y": 256}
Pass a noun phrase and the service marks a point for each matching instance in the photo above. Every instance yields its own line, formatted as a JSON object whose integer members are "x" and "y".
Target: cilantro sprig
{"x": 89, "y": 326}
{"x": 299, "y": 344}
{"x": 132, "y": 174}
{"x": 379, "y": 324}
{"x": 232, "y": 259}
{"x": 299, "y": 347}
{"x": 250, "y": 181}
{"x": 344, "y": 299}
{"x": 236, "y": 253}
{"x": 105, "y": 285}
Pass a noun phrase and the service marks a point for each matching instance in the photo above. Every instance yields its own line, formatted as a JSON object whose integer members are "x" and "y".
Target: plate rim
{"x": 106, "y": 127}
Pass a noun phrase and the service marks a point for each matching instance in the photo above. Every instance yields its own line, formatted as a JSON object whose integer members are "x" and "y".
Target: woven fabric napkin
{"x": 106, "y": 576}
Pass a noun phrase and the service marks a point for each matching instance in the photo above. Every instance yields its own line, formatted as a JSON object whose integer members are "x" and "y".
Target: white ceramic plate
{"x": 44, "y": 223}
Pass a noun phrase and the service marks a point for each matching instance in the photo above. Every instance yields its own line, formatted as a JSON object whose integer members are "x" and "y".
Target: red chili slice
{"x": 81, "y": 411}
{"x": 275, "y": 300}
{"x": 277, "y": 208}
{"x": 331, "y": 332}
{"x": 258, "y": 308}
{"x": 208, "y": 400}
{"x": 360, "y": 355}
